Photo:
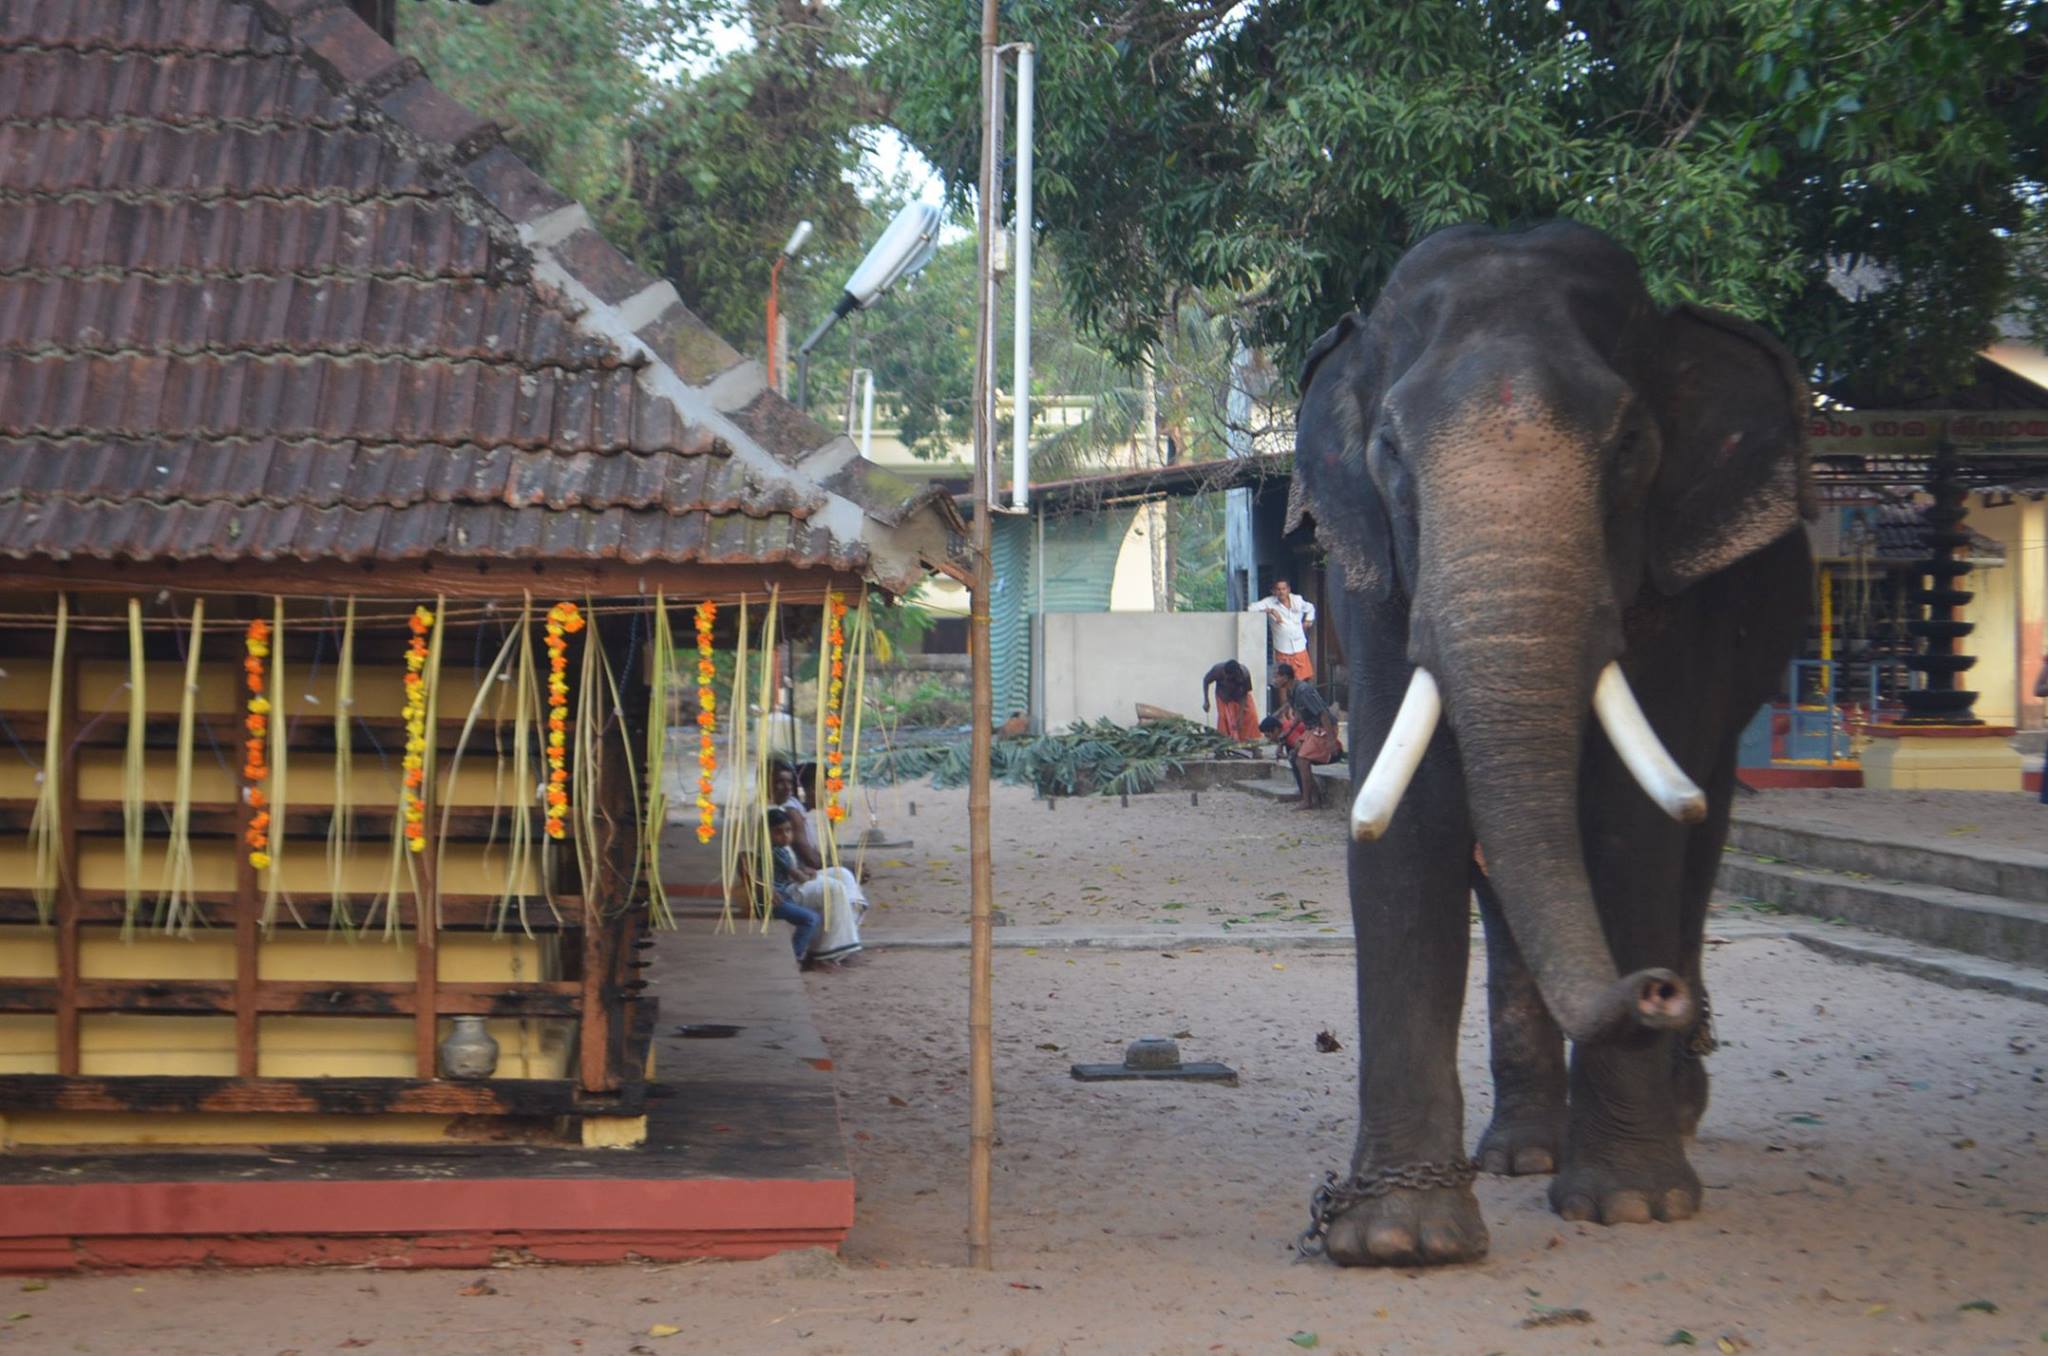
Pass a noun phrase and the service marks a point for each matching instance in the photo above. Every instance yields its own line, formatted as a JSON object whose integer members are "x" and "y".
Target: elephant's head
{"x": 1511, "y": 448}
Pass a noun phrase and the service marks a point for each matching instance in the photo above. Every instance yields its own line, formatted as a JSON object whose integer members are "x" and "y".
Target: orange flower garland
{"x": 707, "y": 723}
{"x": 835, "y": 756}
{"x": 415, "y": 711}
{"x": 255, "y": 770}
{"x": 564, "y": 620}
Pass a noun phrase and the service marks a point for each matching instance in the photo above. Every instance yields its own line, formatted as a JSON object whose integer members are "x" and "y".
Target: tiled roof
{"x": 266, "y": 294}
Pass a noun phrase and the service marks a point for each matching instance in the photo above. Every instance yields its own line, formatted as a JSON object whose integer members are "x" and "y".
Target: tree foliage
{"x": 696, "y": 162}
{"x": 1284, "y": 153}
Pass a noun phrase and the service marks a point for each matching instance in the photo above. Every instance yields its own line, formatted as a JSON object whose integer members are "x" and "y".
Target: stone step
{"x": 2006, "y": 872}
{"x": 1336, "y": 798}
{"x": 1961, "y": 920}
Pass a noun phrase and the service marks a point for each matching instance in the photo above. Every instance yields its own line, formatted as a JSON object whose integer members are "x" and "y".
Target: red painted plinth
{"x": 418, "y": 1223}
{"x": 1792, "y": 778}
{"x": 1936, "y": 731}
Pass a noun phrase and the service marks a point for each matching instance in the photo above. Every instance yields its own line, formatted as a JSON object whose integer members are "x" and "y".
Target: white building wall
{"x": 1103, "y": 664}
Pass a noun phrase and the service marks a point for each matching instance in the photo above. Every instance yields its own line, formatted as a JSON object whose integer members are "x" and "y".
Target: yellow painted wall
{"x": 466, "y": 868}
{"x": 287, "y": 1046}
{"x": 1995, "y": 610}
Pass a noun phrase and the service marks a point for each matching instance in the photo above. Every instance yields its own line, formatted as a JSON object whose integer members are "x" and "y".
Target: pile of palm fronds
{"x": 1092, "y": 758}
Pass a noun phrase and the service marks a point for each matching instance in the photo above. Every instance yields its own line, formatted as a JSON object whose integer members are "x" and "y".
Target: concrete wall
{"x": 1097, "y": 664}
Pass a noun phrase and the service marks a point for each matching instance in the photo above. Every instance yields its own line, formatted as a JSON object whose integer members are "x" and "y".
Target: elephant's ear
{"x": 1339, "y": 397}
{"x": 1732, "y": 410}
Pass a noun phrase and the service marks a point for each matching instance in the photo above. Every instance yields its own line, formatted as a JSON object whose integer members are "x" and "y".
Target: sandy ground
{"x": 1158, "y": 859}
{"x": 1874, "y": 1158}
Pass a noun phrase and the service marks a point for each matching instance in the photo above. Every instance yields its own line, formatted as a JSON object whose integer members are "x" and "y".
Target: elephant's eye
{"x": 1386, "y": 445}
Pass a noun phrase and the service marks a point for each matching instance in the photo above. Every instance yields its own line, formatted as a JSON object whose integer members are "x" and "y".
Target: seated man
{"x": 1318, "y": 733}
{"x": 788, "y": 880}
{"x": 832, "y": 892}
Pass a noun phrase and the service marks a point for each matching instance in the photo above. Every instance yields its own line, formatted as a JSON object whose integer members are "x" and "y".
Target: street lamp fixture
{"x": 905, "y": 247}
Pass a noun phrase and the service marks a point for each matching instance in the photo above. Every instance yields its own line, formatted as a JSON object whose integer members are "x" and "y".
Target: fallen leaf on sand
{"x": 1327, "y": 1042}
{"x": 1024, "y": 1285}
{"x": 357, "y": 1342}
{"x": 894, "y": 1100}
{"x": 16, "y": 1318}
{"x": 1874, "y": 1310}
{"x": 1305, "y": 1340}
{"x": 1977, "y": 1306}
{"x": 1278, "y": 966}
{"x": 1379, "y": 1313}
{"x": 30, "y": 1287}
{"x": 1183, "y": 1035}
{"x": 1681, "y": 1338}
{"x": 1728, "y": 1345}
{"x": 1048, "y": 1045}
{"x": 663, "y": 1330}
{"x": 478, "y": 1287}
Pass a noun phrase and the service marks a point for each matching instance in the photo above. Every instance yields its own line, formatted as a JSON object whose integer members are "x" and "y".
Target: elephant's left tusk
{"x": 1407, "y": 740}
{"x": 1642, "y": 752}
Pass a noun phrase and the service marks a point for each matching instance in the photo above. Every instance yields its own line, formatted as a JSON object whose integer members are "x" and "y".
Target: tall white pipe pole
{"x": 867, "y": 416}
{"x": 1020, "y": 359}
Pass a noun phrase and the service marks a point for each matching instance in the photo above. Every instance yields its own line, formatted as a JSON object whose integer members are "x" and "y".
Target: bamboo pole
{"x": 980, "y": 1002}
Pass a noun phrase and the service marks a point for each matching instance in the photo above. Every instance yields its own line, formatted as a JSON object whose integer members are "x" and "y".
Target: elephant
{"x": 1542, "y": 497}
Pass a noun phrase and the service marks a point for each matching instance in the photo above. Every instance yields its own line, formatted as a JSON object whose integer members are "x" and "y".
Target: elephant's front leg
{"x": 1526, "y": 1135}
{"x": 1409, "y": 1201}
{"x": 1624, "y": 1160}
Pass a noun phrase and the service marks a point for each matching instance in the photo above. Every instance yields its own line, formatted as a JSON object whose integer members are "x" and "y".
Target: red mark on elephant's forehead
{"x": 1507, "y": 391}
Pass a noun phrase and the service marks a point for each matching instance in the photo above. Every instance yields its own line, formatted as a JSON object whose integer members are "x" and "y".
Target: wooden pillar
{"x": 68, "y": 902}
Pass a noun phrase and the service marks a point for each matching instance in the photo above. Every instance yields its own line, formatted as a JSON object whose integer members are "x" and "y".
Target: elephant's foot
{"x": 1423, "y": 1226}
{"x": 1627, "y": 1184}
{"x": 1523, "y": 1141}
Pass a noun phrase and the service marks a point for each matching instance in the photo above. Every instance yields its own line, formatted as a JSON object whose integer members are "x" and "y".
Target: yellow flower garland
{"x": 563, "y": 620}
{"x": 257, "y": 723}
{"x": 707, "y": 723}
{"x": 415, "y": 711}
{"x": 835, "y": 723}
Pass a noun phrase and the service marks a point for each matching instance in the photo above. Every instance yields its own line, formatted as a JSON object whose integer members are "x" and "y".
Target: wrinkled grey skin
{"x": 1523, "y": 470}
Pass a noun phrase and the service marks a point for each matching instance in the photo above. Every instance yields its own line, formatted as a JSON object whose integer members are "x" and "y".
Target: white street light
{"x": 905, "y": 247}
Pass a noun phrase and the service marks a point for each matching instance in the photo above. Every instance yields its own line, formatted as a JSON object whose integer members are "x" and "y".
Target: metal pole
{"x": 867, "y": 415}
{"x": 775, "y": 322}
{"x": 981, "y": 1119}
{"x": 1020, "y": 272}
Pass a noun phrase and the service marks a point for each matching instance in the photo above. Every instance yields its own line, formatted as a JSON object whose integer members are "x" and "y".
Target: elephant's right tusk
{"x": 1407, "y": 740}
{"x": 1642, "y": 753}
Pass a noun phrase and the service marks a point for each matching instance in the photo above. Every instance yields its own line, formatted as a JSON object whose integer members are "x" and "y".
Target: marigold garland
{"x": 255, "y": 770}
{"x": 563, "y": 620}
{"x": 835, "y": 756}
{"x": 415, "y": 711}
{"x": 707, "y": 723}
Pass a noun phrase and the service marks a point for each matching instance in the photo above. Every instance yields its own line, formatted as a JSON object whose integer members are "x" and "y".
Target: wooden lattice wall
{"x": 587, "y": 938}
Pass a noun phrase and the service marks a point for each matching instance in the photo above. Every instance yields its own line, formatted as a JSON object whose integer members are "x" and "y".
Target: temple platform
{"x": 743, "y": 1157}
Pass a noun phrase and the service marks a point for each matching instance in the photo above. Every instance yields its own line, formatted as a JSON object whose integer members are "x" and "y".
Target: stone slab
{"x": 1960, "y": 920}
{"x": 1186, "y": 1073}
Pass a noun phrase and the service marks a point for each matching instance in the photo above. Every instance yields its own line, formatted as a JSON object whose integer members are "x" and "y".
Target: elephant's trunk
{"x": 1516, "y": 637}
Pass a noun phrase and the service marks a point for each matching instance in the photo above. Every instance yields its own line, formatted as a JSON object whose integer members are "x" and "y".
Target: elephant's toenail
{"x": 1676, "y": 1204}
{"x": 1578, "y": 1208}
{"x": 1534, "y": 1161}
{"x": 1627, "y": 1207}
{"x": 1390, "y": 1243}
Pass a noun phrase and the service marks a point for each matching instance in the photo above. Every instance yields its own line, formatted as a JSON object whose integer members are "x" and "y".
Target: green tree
{"x": 1280, "y": 155}
{"x": 696, "y": 164}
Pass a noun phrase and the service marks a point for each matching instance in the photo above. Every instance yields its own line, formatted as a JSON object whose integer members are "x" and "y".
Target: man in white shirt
{"x": 1290, "y": 616}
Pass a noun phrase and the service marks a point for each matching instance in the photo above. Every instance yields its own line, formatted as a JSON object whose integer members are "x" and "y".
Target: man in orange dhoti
{"x": 1236, "y": 716}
